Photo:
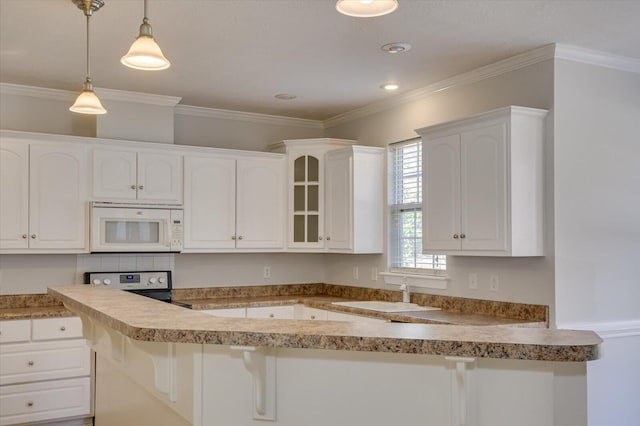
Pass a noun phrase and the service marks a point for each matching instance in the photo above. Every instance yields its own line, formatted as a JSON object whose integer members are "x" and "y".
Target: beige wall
{"x": 521, "y": 279}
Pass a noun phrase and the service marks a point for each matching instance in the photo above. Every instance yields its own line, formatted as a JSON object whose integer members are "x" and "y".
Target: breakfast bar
{"x": 198, "y": 369}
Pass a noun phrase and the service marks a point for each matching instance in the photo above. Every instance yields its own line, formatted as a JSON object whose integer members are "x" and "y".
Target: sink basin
{"x": 380, "y": 306}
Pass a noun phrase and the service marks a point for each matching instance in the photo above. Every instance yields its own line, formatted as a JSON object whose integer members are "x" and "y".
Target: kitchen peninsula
{"x": 204, "y": 370}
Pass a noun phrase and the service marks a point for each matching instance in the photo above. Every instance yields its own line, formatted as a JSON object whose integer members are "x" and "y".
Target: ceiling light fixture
{"x": 396, "y": 47}
{"x": 366, "y": 8}
{"x": 145, "y": 54}
{"x": 285, "y": 96}
{"x": 88, "y": 102}
{"x": 390, "y": 86}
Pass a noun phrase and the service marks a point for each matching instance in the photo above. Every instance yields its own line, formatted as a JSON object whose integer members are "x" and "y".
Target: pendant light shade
{"x": 366, "y": 8}
{"x": 145, "y": 54}
{"x": 88, "y": 102}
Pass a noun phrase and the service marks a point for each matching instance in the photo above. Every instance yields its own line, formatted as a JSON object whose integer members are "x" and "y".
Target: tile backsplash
{"x": 123, "y": 262}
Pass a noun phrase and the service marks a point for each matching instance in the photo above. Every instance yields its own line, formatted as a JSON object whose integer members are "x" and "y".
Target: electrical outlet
{"x": 374, "y": 274}
{"x": 266, "y": 272}
{"x": 355, "y": 272}
{"x": 494, "y": 283}
{"x": 473, "y": 281}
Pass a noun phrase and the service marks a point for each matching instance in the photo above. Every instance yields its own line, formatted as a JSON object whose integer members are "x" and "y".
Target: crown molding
{"x": 251, "y": 117}
{"x": 594, "y": 57}
{"x": 513, "y": 63}
{"x": 608, "y": 329}
{"x": 37, "y": 92}
{"x": 136, "y": 97}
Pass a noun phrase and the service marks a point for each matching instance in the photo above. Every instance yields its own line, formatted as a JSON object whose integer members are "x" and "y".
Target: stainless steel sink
{"x": 389, "y": 307}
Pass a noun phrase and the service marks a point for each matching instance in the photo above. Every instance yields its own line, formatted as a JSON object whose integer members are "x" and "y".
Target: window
{"x": 405, "y": 210}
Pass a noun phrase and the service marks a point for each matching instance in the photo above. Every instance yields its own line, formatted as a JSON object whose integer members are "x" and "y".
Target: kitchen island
{"x": 202, "y": 370}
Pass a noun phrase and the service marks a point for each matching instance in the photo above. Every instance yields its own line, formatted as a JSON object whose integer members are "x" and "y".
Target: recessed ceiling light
{"x": 396, "y": 47}
{"x": 285, "y": 96}
{"x": 390, "y": 86}
{"x": 366, "y": 8}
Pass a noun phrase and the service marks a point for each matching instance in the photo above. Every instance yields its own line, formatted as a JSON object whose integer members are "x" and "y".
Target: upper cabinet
{"x": 483, "y": 182}
{"x": 120, "y": 175}
{"x": 234, "y": 203}
{"x": 322, "y": 204}
{"x": 43, "y": 195}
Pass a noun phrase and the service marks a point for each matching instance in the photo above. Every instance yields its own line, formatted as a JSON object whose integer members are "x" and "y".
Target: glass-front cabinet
{"x": 306, "y": 165}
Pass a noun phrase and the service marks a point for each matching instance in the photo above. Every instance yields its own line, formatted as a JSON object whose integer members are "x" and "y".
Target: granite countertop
{"x": 146, "y": 319}
{"x": 27, "y": 306}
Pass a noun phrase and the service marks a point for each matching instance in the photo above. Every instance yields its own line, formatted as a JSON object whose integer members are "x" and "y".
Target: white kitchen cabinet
{"x": 483, "y": 184}
{"x": 341, "y": 316}
{"x": 322, "y": 197}
{"x": 44, "y": 196}
{"x": 227, "y": 312}
{"x": 234, "y": 203}
{"x": 127, "y": 176}
{"x": 308, "y": 313}
{"x": 45, "y": 371}
{"x": 355, "y": 200}
{"x": 271, "y": 312}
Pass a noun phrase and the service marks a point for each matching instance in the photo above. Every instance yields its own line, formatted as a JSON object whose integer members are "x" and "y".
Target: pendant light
{"x": 88, "y": 102}
{"x": 366, "y": 8}
{"x": 145, "y": 54}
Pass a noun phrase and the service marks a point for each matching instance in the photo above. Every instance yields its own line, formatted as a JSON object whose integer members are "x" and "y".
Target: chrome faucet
{"x": 404, "y": 287}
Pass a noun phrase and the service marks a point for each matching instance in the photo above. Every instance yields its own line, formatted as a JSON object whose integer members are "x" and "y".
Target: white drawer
{"x": 15, "y": 331}
{"x": 28, "y": 362}
{"x": 228, "y": 312}
{"x": 56, "y": 328}
{"x": 44, "y": 401}
{"x": 281, "y": 312}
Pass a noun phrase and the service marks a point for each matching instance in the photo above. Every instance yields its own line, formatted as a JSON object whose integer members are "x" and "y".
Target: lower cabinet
{"x": 45, "y": 370}
{"x": 297, "y": 311}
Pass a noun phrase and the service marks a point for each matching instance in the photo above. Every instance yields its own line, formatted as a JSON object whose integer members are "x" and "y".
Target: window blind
{"x": 405, "y": 209}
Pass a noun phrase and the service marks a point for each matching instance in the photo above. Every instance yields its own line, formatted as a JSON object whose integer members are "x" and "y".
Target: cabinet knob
{"x": 24, "y": 236}
{"x": 141, "y": 187}
{"x": 455, "y": 236}
{"x": 233, "y": 237}
{"x": 271, "y": 315}
{"x": 30, "y": 363}
{"x": 320, "y": 238}
{"x": 239, "y": 237}
{"x": 133, "y": 187}
{"x": 33, "y": 236}
{"x": 313, "y": 317}
{"x": 328, "y": 238}
{"x": 63, "y": 328}
{"x": 30, "y": 404}
{"x": 462, "y": 236}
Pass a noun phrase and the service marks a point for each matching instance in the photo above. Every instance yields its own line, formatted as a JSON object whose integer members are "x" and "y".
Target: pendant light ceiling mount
{"x": 366, "y": 8}
{"x": 88, "y": 102}
{"x": 145, "y": 54}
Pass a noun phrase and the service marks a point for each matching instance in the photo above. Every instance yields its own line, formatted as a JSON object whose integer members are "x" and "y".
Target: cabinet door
{"x": 260, "y": 202}
{"x": 58, "y": 197}
{"x": 279, "y": 312}
{"x": 209, "y": 203}
{"x": 441, "y": 194}
{"x": 339, "y": 201}
{"x": 14, "y": 194}
{"x": 483, "y": 188}
{"x": 306, "y": 205}
{"x": 114, "y": 175}
{"x": 160, "y": 177}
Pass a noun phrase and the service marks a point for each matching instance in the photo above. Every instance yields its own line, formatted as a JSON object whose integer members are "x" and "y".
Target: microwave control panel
{"x": 156, "y": 280}
{"x": 177, "y": 230}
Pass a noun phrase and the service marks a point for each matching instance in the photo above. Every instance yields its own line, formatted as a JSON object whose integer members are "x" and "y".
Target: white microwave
{"x": 134, "y": 228}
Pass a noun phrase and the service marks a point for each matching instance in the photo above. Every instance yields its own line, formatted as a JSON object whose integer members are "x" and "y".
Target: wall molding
{"x": 594, "y": 57}
{"x": 609, "y": 329}
{"x": 137, "y": 97}
{"x": 37, "y": 92}
{"x": 251, "y": 117}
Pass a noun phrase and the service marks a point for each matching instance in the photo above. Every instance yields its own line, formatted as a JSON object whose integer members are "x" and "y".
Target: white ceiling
{"x": 237, "y": 54}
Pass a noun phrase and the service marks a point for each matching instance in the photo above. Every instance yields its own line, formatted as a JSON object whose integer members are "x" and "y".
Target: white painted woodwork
{"x": 14, "y": 194}
{"x": 45, "y": 369}
{"x": 15, "y": 331}
{"x": 44, "y": 196}
{"x": 341, "y": 316}
{"x": 209, "y": 202}
{"x": 31, "y": 362}
{"x": 308, "y": 313}
{"x": 127, "y": 175}
{"x": 56, "y": 328}
{"x": 483, "y": 184}
{"x": 33, "y": 402}
{"x": 355, "y": 200}
{"x": 279, "y": 312}
{"x": 260, "y": 203}
{"x": 227, "y": 312}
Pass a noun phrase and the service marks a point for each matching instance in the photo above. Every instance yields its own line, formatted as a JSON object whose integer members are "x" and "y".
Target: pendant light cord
{"x": 88, "y": 57}
{"x": 145, "y": 9}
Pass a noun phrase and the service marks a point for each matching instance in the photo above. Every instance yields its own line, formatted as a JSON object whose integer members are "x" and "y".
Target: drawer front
{"x": 56, "y": 328}
{"x": 22, "y": 363}
{"x": 44, "y": 401}
{"x": 15, "y": 331}
{"x": 281, "y": 312}
{"x": 229, "y": 312}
